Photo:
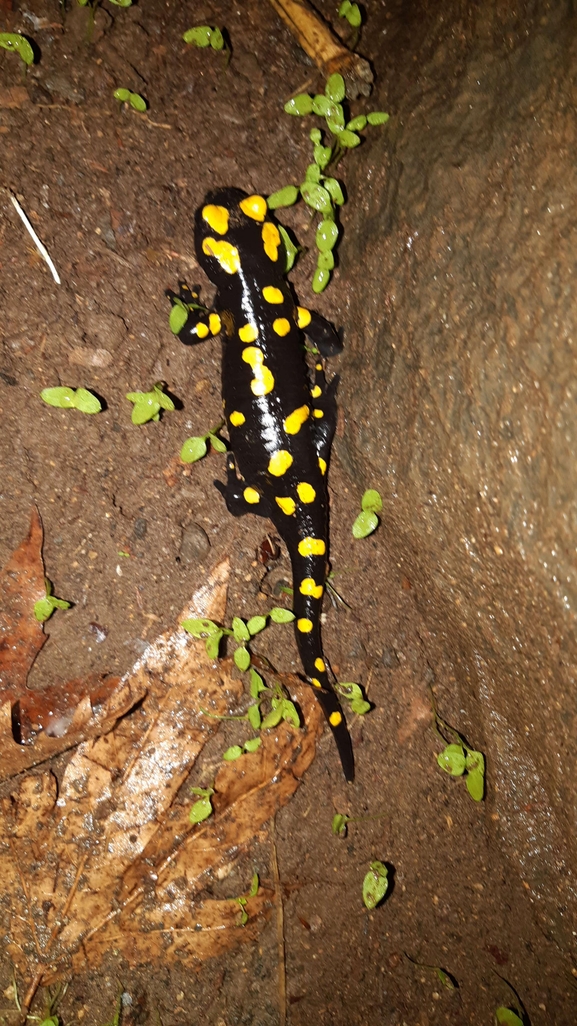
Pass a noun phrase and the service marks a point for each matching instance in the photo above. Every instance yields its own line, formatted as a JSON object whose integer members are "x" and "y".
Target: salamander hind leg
{"x": 240, "y": 497}
{"x": 324, "y": 413}
{"x": 321, "y": 332}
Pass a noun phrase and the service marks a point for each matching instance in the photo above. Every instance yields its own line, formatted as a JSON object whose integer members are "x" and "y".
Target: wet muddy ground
{"x": 130, "y": 532}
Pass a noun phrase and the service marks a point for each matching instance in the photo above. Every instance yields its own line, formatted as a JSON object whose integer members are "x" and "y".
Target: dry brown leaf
{"x": 63, "y": 716}
{"x": 108, "y": 860}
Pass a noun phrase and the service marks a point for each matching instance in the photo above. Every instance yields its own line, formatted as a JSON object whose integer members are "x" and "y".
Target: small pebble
{"x": 140, "y": 528}
{"x": 195, "y": 544}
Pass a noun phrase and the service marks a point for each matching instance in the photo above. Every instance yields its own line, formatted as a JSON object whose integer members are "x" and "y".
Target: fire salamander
{"x": 280, "y": 417}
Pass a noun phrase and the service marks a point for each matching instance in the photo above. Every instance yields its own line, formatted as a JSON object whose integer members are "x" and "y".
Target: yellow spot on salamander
{"x": 281, "y": 326}
{"x": 315, "y": 682}
{"x": 303, "y": 317}
{"x": 318, "y": 414}
{"x": 310, "y": 587}
{"x": 304, "y": 625}
{"x": 251, "y": 495}
{"x": 216, "y": 218}
{"x": 316, "y": 391}
{"x": 237, "y": 418}
{"x": 272, "y": 294}
{"x": 312, "y": 547}
{"x": 224, "y": 252}
{"x": 296, "y": 419}
{"x": 279, "y": 462}
{"x": 255, "y": 207}
{"x": 287, "y": 504}
{"x": 318, "y": 366}
{"x": 306, "y": 492}
{"x": 335, "y": 718}
{"x": 320, "y": 665}
{"x": 263, "y": 381}
{"x": 248, "y": 333}
{"x": 214, "y": 323}
{"x": 271, "y": 240}
{"x": 201, "y": 330}
{"x": 322, "y": 465}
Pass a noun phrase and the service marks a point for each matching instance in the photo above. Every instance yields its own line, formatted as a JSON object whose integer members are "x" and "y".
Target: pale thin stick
{"x": 39, "y": 245}
{"x": 279, "y": 929}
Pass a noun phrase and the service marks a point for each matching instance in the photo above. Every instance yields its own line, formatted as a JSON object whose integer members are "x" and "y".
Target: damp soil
{"x": 130, "y": 532}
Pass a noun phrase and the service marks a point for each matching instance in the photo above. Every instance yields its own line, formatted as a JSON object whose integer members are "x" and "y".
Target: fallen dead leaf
{"x": 13, "y": 96}
{"x": 109, "y": 859}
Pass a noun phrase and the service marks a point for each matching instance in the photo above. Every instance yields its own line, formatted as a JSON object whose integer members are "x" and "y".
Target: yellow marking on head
{"x": 224, "y": 252}
{"x": 304, "y": 317}
{"x": 318, "y": 414}
{"x": 272, "y": 294}
{"x": 312, "y": 547}
{"x": 316, "y": 391}
{"x": 308, "y": 586}
{"x": 287, "y": 504}
{"x": 304, "y": 625}
{"x": 281, "y": 326}
{"x": 306, "y": 492}
{"x": 279, "y": 462}
{"x": 216, "y": 218}
{"x": 316, "y": 683}
{"x": 335, "y": 718}
{"x": 296, "y": 419}
{"x": 320, "y": 665}
{"x": 255, "y": 207}
{"x": 271, "y": 240}
{"x": 251, "y": 495}
{"x": 201, "y": 330}
{"x": 237, "y": 418}
{"x": 215, "y": 323}
{"x": 263, "y": 381}
{"x": 248, "y": 333}
{"x": 322, "y": 465}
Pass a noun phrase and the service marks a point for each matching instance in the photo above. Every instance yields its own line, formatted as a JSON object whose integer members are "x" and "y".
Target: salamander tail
{"x": 332, "y": 709}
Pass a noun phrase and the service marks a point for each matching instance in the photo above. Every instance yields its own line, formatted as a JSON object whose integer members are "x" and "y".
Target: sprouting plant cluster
{"x": 458, "y": 759}
{"x": 196, "y": 447}
{"x": 135, "y": 100}
{"x": 367, "y": 520}
{"x": 148, "y": 405}
{"x": 44, "y": 608}
{"x": 321, "y": 191}
{"x": 65, "y": 398}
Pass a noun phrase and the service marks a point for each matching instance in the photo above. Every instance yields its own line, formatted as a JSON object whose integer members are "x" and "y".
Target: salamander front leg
{"x": 200, "y": 323}
{"x": 241, "y": 498}
{"x": 321, "y": 332}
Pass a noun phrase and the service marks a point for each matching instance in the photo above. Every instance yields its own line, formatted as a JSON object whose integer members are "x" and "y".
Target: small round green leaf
{"x": 322, "y": 155}
{"x": 242, "y": 658}
{"x": 315, "y": 136}
{"x": 216, "y": 39}
{"x": 475, "y": 761}
{"x": 61, "y": 397}
{"x": 335, "y": 88}
{"x": 213, "y": 645}
{"x": 123, "y": 95}
{"x": 325, "y": 261}
{"x": 289, "y": 713}
{"x": 348, "y": 139}
{"x": 317, "y": 197}
{"x": 232, "y": 753}
{"x": 326, "y": 236}
{"x": 321, "y": 278}
{"x": 475, "y": 782}
{"x": 452, "y": 760}
{"x": 137, "y": 102}
{"x": 198, "y": 36}
{"x": 200, "y": 811}
{"x": 254, "y": 884}
{"x": 349, "y": 690}
{"x": 280, "y": 615}
{"x": 43, "y": 609}
{"x": 239, "y": 629}
{"x": 365, "y": 524}
{"x": 299, "y": 105}
{"x": 326, "y": 108}
{"x": 193, "y": 449}
{"x": 251, "y": 746}
{"x": 334, "y": 190}
{"x": 289, "y": 247}
{"x": 273, "y": 718}
{"x": 506, "y": 1017}
{"x": 344, "y": 8}
{"x": 86, "y": 402}
{"x": 18, "y": 44}
{"x": 256, "y": 624}
{"x": 200, "y": 628}
{"x": 359, "y": 706}
{"x": 256, "y": 683}
{"x": 178, "y": 318}
{"x": 357, "y": 124}
{"x": 371, "y": 501}
{"x": 375, "y": 885}
{"x": 313, "y": 173}
{"x": 145, "y": 408}
{"x": 283, "y": 197}
{"x": 353, "y": 16}
{"x": 339, "y": 825}
{"x": 217, "y": 443}
{"x": 378, "y": 117}
{"x": 254, "y": 717}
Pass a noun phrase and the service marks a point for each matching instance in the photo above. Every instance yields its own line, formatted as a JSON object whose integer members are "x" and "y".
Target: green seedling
{"x": 179, "y": 312}
{"x": 235, "y": 751}
{"x": 507, "y": 1017}
{"x": 17, "y": 44}
{"x": 352, "y": 13}
{"x": 243, "y": 900}
{"x": 71, "y": 399}
{"x": 202, "y": 808}
{"x": 340, "y": 822}
{"x": 375, "y": 884}
{"x": 367, "y": 520}
{"x": 44, "y": 608}
{"x": 208, "y": 35}
{"x": 92, "y": 6}
{"x": 195, "y": 448}
{"x": 446, "y": 979}
{"x": 321, "y": 191}
{"x": 240, "y": 630}
{"x": 147, "y": 405}
{"x": 353, "y": 694}
{"x": 458, "y": 759}
{"x": 136, "y": 101}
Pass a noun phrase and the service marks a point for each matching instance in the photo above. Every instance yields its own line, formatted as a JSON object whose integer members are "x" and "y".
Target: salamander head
{"x": 232, "y": 226}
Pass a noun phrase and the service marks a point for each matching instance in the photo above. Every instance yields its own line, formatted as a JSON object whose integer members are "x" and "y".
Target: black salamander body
{"x": 280, "y": 421}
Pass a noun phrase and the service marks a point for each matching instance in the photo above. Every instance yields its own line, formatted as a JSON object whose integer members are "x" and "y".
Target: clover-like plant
{"x": 208, "y": 35}
{"x": 375, "y": 884}
{"x": 352, "y": 13}
{"x": 196, "y": 447}
{"x": 44, "y": 608}
{"x": 367, "y": 520}
{"x": 321, "y": 191}
{"x": 16, "y": 43}
{"x": 353, "y": 694}
{"x": 458, "y": 759}
{"x": 254, "y": 885}
{"x": 65, "y": 398}
{"x": 135, "y": 100}
{"x": 241, "y": 631}
{"x": 147, "y": 405}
